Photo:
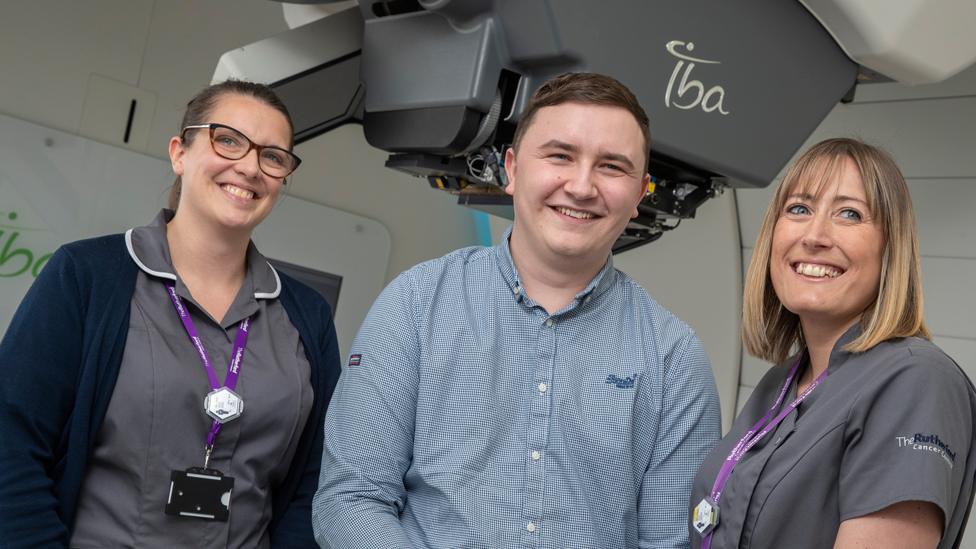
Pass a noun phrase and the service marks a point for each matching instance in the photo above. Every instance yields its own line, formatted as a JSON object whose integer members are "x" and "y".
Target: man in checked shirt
{"x": 526, "y": 394}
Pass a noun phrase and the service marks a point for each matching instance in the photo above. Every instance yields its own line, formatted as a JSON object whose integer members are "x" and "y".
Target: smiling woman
{"x": 827, "y": 247}
{"x": 150, "y": 344}
{"x": 218, "y": 182}
{"x": 844, "y": 201}
{"x": 835, "y": 446}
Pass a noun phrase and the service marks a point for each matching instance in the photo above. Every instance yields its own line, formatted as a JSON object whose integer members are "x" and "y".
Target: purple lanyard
{"x": 233, "y": 369}
{"x": 750, "y": 439}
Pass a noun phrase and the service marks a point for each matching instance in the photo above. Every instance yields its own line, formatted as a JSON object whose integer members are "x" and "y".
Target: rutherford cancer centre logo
{"x": 928, "y": 443}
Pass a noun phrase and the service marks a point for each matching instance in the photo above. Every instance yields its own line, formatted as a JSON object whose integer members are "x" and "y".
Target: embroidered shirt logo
{"x": 354, "y": 360}
{"x": 622, "y": 383}
{"x": 928, "y": 443}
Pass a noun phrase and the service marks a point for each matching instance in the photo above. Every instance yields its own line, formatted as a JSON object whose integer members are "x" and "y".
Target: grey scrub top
{"x": 155, "y": 421}
{"x": 893, "y": 424}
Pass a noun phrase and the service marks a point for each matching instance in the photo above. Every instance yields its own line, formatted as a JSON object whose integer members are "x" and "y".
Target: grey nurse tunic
{"x": 893, "y": 424}
{"x": 155, "y": 420}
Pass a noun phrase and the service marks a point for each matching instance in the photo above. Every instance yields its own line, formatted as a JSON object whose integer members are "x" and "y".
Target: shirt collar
{"x": 149, "y": 249}
{"x": 600, "y": 283}
{"x": 839, "y": 355}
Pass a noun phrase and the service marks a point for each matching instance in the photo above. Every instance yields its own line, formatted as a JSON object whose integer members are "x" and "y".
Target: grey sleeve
{"x": 907, "y": 437}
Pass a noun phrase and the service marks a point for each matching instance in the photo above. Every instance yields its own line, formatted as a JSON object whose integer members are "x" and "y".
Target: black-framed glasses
{"x": 234, "y": 145}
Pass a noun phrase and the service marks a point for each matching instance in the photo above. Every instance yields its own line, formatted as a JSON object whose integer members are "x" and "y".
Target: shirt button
{"x": 536, "y": 455}
{"x": 530, "y": 527}
{"x": 549, "y": 322}
{"x": 586, "y": 299}
{"x": 542, "y": 387}
{"x": 516, "y": 290}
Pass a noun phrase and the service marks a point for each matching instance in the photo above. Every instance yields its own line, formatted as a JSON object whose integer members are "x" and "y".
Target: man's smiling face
{"x": 576, "y": 180}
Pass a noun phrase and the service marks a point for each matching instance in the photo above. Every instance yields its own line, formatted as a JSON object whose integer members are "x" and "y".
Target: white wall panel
{"x": 945, "y": 210}
{"x": 752, "y": 205}
{"x": 117, "y": 113}
{"x": 963, "y": 351}
{"x": 950, "y": 296}
{"x": 753, "y": 369}
{"x": 969, "y": 538}
{"x": 48, "y": 49}
{"x": 928, "y": 138}
{"x": 185, "y": 39}
{"x": 744, "y": 393}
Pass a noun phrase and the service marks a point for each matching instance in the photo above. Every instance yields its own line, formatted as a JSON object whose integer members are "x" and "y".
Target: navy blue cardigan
{"x": 59, "y": 362}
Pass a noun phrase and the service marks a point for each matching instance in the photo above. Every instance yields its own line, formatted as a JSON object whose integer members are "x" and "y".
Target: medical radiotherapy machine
{"x": 732, "y": 88}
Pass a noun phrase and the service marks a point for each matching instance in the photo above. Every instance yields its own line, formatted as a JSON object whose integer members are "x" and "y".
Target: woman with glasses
{"x": 166, "y": 387}
{"x": 862, "y": 435}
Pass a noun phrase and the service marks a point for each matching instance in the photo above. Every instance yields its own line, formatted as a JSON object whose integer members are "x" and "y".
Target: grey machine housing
{"x": 732, "y": 89}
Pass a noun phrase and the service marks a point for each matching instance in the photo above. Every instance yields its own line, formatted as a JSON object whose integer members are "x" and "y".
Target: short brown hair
{"x": 769, "y": 330}
{"x": 588, "y": 88}
{"x": 199, "y": 108}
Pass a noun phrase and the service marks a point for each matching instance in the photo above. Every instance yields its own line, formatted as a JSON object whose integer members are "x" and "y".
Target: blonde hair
{"x": 769, "y": 330}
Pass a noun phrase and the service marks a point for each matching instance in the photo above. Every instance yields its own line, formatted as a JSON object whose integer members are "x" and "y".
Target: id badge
{"x": 704, "y": 517}
{"x": 200, "y": 493}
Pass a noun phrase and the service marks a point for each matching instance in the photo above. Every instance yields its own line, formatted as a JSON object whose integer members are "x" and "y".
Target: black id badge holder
{"x": 200, "y": 493}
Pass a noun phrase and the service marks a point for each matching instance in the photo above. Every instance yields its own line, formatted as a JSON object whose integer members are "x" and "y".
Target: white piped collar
{"x": 149, "y": 249}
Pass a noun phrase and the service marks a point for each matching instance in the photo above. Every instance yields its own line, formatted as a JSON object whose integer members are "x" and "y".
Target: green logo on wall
{"x": 16, "y": 260}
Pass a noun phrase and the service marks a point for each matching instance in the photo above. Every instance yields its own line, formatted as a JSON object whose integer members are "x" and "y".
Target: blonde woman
{"x": 862, "y": 435}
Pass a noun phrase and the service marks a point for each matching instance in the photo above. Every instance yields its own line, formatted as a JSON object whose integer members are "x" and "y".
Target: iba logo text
{"x": 16, "y": 259}
{"x": 685, "y": 92}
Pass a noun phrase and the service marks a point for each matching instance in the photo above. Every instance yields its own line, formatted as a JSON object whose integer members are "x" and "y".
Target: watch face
{"x": 223, "y": 405}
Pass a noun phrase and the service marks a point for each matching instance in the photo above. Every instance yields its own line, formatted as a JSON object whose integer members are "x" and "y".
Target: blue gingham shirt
{"x": 470, "y": 417}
